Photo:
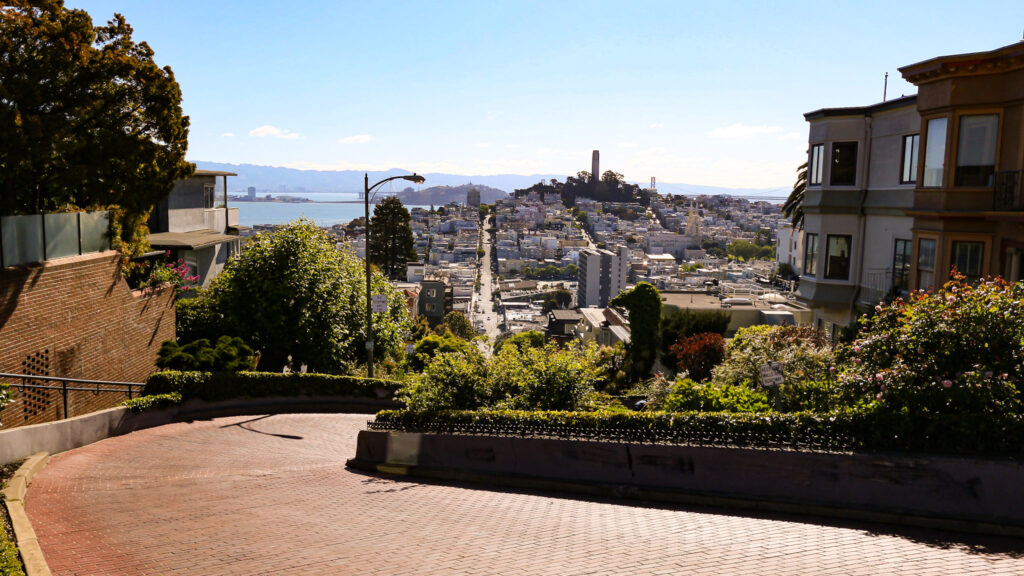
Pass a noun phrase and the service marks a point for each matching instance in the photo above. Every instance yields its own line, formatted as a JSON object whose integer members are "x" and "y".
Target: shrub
{"x": 10, "y": 562}
{"x": 450, "y": 381}
{"x": 688, "y": 396}
{"x": 698, "y": 354}
{"x": 644, "y": 305}
{"x": 958, "y": 350}
{"x": 153, "y": 402}
{"x": 805, "y": 355}
{"x": 548, "y": 378}
{"x": 676, "y": 324}
{"x": 212, "y": 386}
{"x": 229, "y": 355}
{"x": 426, "y": 349}
{"x": 521, "y": 340}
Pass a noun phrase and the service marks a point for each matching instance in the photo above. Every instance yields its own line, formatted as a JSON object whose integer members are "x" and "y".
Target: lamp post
{"x": 366, "y": 213}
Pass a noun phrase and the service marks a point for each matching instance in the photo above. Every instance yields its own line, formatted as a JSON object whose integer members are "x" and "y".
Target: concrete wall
{"x": 946, "y": 488}
{"x": 76, "y": 317}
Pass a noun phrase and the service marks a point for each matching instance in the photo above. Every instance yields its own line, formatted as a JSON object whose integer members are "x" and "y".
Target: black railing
{"x": 118, "y": 387}
{"x": 1008, "y": 196}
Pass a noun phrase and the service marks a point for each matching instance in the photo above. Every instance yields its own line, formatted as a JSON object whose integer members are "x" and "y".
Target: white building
{"x": 602, "y": 275}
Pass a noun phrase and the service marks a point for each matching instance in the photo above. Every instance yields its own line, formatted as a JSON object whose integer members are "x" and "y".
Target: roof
{"x": 213, "y": 173}
{"x": 566, "y": 315}
{"x": 863, "y": 110}
{"x": 196, "y": 239}
{"x": 975, "y": 63}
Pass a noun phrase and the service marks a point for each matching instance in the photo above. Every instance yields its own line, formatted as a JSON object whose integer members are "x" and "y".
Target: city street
{"x": 271, "y": 495}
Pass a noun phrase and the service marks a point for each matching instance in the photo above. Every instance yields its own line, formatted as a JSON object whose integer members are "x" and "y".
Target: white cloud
{"x": 628, "y": 145}
{"x": 483, "y": 144}
{"x": 356, "y": 139}
{"x": 228, "y": 135}
{"x": 744, "y": 131}
{"x": 268, "y": 130}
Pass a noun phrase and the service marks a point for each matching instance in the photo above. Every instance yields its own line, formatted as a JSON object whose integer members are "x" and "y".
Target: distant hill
{"x": 444, "y": 194}
{"x": 277, "y": 180}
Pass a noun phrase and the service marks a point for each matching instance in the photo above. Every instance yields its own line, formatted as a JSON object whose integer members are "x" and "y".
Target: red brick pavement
{"x": 273, "y": 496}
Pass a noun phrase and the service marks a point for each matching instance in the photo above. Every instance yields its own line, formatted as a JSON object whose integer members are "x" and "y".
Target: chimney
{"x": 595, "y": 166}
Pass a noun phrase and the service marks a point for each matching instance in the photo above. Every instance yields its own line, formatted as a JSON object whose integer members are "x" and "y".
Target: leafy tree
{"x": 88, "y": 118}
{"x": 747, "y": 250}
{"x": 391, "y": 243}
{"x": 793, "y": 207}
{"x": 698, "y": 354}
{"x": 419, "y": 328}
{"x": 522, "y": 340}
{"x": 426, "y": 349}
{"x": 644, "y": 305}
{"x": 557, "y": 300}
{"x": 547, "y": 378}
{"x": 300, "y": 301}
{"x": 451, "y": 381}
{"x": 230, "y": 354}
{"x": 677, "y": 324}
{"x": 457, "y": 323}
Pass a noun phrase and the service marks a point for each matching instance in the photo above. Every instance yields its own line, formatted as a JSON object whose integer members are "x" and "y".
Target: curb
{"x": 24, "y": 535}
{"x": 683, "y": 498}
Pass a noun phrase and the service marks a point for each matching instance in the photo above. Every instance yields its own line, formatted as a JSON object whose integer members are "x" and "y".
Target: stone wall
{"x": 76, "y": 317}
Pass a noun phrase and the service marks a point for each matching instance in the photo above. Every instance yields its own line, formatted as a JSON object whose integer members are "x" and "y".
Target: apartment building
{"x": 602, "y": 275}
{"x": 901, "y": 192}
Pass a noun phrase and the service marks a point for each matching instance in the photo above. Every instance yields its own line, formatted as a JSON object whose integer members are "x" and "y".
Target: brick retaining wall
{"x": 76, "y": 317}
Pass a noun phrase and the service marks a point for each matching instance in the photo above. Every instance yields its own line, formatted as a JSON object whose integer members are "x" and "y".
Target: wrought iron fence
{"x": 108, "y": 386}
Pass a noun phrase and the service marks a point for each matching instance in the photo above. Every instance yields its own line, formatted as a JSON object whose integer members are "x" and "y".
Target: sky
{"x": 709, "y": 93}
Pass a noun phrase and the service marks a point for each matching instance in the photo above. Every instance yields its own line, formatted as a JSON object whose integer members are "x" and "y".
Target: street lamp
{"x": 366, "y": 213}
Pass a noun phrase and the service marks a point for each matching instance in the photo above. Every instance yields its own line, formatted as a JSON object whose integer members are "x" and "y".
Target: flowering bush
{"x": 958, "y": 350}
{"x": 698, "y": 354}
{"x": 156, "y": 273}
{"x": 805, "y": 354}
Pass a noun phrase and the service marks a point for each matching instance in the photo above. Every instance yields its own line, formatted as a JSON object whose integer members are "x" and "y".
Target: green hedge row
{"x": 847, "y": 431}
{"x": 213, "y": 386}
{"x": 153, "y": 402}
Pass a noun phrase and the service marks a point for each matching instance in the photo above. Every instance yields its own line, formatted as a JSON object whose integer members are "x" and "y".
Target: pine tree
{"x": 391, "y": 244}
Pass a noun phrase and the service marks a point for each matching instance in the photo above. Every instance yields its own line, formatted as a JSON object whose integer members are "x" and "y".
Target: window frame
{"x": 829, "y": 274}
{"x": 915, "y": 158}
{"x": 927, "y": 149}
{"x": 904, "y": 271}
{"x": 810, "y": 254}
{"x": 815, "y": 162}
{"x": 971, "y": 276}
{"x": 209, "y": 196}
{"x": 934, "y": 258}
{"x": 957, "y": 175}
{"x": 832, "y": 163}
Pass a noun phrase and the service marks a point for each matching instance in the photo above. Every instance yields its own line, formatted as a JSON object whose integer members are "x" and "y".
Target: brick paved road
{"x": 272, "y": 496}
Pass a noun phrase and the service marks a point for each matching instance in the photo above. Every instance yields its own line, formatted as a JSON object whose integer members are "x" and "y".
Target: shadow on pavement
{"x": 243, "y": 427}
{"x": 977, "y": 544}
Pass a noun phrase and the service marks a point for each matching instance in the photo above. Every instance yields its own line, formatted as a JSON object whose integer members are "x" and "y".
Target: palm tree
{"x": 793, "y": 208}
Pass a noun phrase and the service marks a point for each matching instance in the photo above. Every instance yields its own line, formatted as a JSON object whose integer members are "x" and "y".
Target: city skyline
{"x": 699, "y": 93}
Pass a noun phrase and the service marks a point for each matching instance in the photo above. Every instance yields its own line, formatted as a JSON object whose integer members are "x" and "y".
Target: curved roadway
{"x": 271, "y": 495}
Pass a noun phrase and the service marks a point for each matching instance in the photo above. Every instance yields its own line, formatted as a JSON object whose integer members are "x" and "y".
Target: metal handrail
{"x": 64, "y": 388}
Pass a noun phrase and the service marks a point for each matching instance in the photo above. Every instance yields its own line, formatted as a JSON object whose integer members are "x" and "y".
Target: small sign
{"x": 771, "y": 374}
{"x": 380, "y": 303}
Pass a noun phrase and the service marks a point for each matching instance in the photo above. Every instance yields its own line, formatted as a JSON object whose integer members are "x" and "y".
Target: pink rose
{"x": 879, "y": 376}
{"x": 946, "y": 383}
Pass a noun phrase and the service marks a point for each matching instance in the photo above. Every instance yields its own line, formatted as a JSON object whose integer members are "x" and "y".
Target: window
{"x": 901, "y": 266}
{"x": 908, "y": 171}
{"x": 837, "y": 263}
{"x": 209, "y": 191}
{"x": 814, "y": 172}
{"x": 811, "y": 254}
{"x": 844, "y": 164}
{"x": 967, "y": 258}
{"x": 935, "y": 152}
{"x": 976, "y": 151}
{"x": 926, "y": 264}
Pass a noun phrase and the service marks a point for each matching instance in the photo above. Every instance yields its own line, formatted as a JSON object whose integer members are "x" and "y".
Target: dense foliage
{"x": 957, "y": 350}
{"x": 687, "y": 396}
{"x": 746, "y": 250}
{"x": 427, "y": 348}
{"x": 516, "y": 377}
{"x": 521, "y": 340}
{"x": 805, "y": 354}
{"x": 677, "y": 324}
{"x": 213, "y": 386}
{"x": 153, "y": 402}
{"x": 299, "y": 300}
{"x": 154, "y": 273}
{"x": 88, "y": 118}
{"x": 457, "y": 324}
{"x": 644, "y": 305}
{"x": 229, "y": 354}
{"x": 698, "y": 354}
{"x": 391, "y": 242}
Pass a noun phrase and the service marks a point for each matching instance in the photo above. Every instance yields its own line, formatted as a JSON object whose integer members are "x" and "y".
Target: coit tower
{"x": 595, "y": 166}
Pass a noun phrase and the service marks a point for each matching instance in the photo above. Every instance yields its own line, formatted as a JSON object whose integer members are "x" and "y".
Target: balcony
{"x": 1008, "y": 197}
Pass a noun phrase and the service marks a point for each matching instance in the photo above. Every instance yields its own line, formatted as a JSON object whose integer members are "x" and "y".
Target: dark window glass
{"x": 967, "y": 258}
{"x": 901, "y": 266}
{"x": 811, "y": 254}
{"x": 926, "y": 264}
{"x": 209, "y": 191}
{"x": 976, "y": 151}
{"x": 844, "y": 164}
{"x": 935, "y": 152}
{"x": 908, "y": 172}
{"x": 837, "y": 263}
{"x": 814, "y": 171}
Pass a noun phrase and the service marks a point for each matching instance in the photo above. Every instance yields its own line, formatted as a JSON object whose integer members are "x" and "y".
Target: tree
{"x": 644, "y": 305}
{"x": 793, "y": 207}
{"x": 391, "y": 244}
{"x": 457, "y": 323}
{"x": 699, "y": 353}
{"x": 426, "y": 349}
{"x": 88, "y": 118}
{"x": 521, "y": 340}
{"x": 557, "y": 300}
{"x": 299, "y": 301}
{"x": 229, "y": 354}
{"x": 678, "y": 324}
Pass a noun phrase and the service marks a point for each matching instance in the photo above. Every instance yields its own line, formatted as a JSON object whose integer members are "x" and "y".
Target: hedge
{"x": 153, "y": 402}
{"x": 967, "y": 434}
{"x": 213, "y": 386}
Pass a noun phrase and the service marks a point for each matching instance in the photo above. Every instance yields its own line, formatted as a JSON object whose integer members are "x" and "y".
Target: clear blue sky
{"x": 708, "y": 93}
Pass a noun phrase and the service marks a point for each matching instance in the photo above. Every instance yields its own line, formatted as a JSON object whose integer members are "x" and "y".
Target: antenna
{"x": 885, "y": 87}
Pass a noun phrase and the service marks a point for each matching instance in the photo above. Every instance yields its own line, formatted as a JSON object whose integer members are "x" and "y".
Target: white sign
{"x": 771, "y": 374}
{"x": 380, "y": 303}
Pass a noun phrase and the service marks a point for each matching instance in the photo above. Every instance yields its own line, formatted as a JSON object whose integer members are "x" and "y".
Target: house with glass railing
{"x": 901, "y": 192}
